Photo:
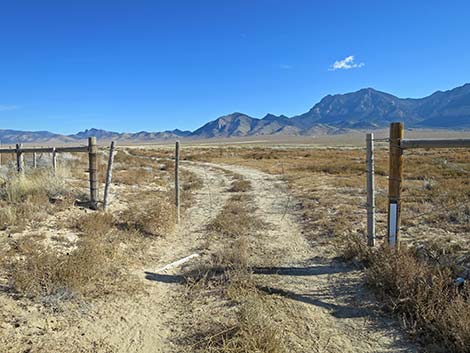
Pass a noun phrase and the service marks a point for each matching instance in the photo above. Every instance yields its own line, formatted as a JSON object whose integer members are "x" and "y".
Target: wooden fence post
{"x": 54, "y": 160}
{"x": 19, "y": 159}
{"x": 93, "y": 170}
{"x": 177, "y": 183}
{"x": 394, "y": 184}
{"x": 109, "y": 175}
{"x": 35, "y": 160}
{"x": 370, "y": 190}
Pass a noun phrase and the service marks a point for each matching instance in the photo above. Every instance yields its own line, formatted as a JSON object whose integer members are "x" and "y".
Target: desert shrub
{"x": 240, "y": 185}
{"x": 41, "y": 271}
{"x": 129, "y": 159}
{"x": 351, "y": 247}
{"x": 426, "y": 297}
{"x": 153, "y": 218}
{"x": 18, "y": 215}
{"x": 167, "y": 165}
{"x": 191, "y": 181}
{"x": 421, "y": 291}
{"x": 254, "y": 331}
{"x": 96, "y": 223}
{"x": 229, "y": 264}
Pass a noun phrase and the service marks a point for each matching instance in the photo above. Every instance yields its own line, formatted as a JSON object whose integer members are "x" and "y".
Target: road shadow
{"x": 338, "y": 311}
{"x": 6, "y": 289}
{"x": 156, "y": 277}
{"x": 301, "y": 271}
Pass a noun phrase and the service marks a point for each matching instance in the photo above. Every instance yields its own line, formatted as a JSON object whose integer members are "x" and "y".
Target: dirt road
{"x": 335, "y": 303}
{"x": 149, "y": 323}
{"x": 338, "y": 312}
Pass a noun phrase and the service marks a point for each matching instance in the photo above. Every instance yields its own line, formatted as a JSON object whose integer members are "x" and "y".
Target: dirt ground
{"x": 337, "y": 313}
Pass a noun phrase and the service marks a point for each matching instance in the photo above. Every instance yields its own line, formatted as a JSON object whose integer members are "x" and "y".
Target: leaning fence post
{"x": 394, "y": 183}
{"x": 19, "y": 158}
{"x": 177, "y": 188}
{"x": 370, "y": 190}
{"x": 54, "y": 159}
{"x": 109, "y": 175}
{"x": 93, "y": 171}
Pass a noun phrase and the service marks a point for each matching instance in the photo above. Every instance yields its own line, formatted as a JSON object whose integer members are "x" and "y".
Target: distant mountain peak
{"x": 367, "y": 90}
{"x": 179, "y": 132}
{"x": 235, "y": 115}
{"x": 370, "y": 108}
{"x": 364, "y": 109}
{"x": 270, "y": 116}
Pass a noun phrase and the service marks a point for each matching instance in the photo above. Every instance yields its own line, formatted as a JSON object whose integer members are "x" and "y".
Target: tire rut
{"x": 147, "y": 322}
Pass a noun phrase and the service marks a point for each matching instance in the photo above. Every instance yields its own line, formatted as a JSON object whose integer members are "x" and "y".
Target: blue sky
{"x": 155, "y": 65}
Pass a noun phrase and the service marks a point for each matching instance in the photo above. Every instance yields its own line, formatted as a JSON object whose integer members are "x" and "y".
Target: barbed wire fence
{"x": 62, "y": 162}
{"x": 403, "y": 191}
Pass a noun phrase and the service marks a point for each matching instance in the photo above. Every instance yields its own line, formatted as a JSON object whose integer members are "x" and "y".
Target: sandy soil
{"x": 337, "y": 308}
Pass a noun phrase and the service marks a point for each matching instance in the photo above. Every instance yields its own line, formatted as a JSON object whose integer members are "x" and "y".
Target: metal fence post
{"x": 109, "y": 175}
{"x": 54, "y": 160}
{"x": 370, "y": 189}
{"x": 177, "y": 186}
{"x": 93, "y": 170}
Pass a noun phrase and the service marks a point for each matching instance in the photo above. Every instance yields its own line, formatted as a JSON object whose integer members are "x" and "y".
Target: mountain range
{"x": 365, "y": 109}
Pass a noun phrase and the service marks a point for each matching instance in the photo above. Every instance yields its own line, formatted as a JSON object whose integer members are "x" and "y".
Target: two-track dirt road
{"x": 338, "y": 311}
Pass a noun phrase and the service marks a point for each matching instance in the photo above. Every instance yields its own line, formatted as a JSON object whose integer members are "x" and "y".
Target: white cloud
{"x": 346, "y": 64}
{"x": 4, "y": 108}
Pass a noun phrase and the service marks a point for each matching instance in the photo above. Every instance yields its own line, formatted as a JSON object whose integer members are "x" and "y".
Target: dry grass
{"x": 39, "y": 271}
{"x": 153, "y": 169}
{"x": 240, "y": 185}
{"x": 248, "y": 325}
{"x": 18, "y": 188}
{"x": 234, "y": 223}
{"x": 8, "y": 217}
{"x": 133, "y": 169}
{"x": 27, "y": 198}
{"x": 190, "y": 182}
{"x": 95, "y": 224}
{"x": 134, "y": 176}
{"x": 154, "y": 217}
{"x": 252, "y": 330}
{"x": 420, "y": 288}
{"x": 90, "y": 268}
{"x": 236, "y": 219}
